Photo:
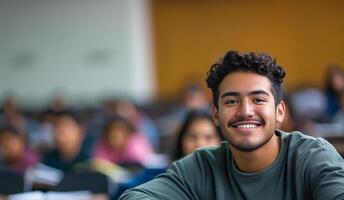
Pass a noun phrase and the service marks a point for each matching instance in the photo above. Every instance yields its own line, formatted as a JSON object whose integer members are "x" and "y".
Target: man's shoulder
{"x": 188, "y": 178}
{"x": 301, "y": 140}
{"x": 204, "y": 161}
{"x": 221, "y": 149}
{"x": 215, "y": 153}
{"x": 305, "y": 146}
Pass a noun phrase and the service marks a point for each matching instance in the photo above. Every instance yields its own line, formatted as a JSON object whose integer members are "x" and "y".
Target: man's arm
{"x": 325, "y": 172}
{"x": 169, "y": 185}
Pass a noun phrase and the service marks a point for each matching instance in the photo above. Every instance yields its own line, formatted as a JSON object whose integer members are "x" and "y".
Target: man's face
{"x": 247, "y": 113}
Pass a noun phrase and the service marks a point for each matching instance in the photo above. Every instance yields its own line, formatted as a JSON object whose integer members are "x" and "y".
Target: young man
{"x": 257, "y": 161}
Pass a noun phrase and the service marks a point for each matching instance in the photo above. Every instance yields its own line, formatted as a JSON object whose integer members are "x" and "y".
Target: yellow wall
{"x": 190, "y": 35}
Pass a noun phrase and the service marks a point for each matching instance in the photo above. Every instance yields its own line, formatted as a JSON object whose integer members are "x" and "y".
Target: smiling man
{"x": 257, "y": 161}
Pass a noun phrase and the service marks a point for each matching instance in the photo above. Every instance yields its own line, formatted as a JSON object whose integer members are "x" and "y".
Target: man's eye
{"x": 259, "y": 100}
{"x": 231, "y": 102}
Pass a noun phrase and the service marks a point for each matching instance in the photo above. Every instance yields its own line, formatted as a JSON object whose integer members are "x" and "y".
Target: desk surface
{"x": 93, "y": 197}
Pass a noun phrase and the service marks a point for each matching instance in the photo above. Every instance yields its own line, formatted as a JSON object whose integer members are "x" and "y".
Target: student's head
{"x": 68, "y": 132}
{"x": 334, "y": 79}
{"x": 233, "y": 61}
{"x": 197, "y": 130}
{"x": 117, "y": 131}
{"x": 194, "y": 97}
{"x": 12, "y": 145}
{"x": 247, "y": 98}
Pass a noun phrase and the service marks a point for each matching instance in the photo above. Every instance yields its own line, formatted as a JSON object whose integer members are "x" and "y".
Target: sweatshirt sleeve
{"x": 324, "y": 170}
{"x": 168, "y": 186}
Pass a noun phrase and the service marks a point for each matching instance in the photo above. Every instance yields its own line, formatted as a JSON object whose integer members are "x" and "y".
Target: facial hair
{"x": 248, "y": 147}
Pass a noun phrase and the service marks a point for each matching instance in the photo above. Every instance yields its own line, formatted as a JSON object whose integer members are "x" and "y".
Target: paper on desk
{"x": 38, "y": 195}
{"x": 75, "y": 195}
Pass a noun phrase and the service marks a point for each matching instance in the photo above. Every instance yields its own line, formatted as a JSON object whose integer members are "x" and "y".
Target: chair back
{"x": 11, "y": 182}
{"x": 94, "y": 182}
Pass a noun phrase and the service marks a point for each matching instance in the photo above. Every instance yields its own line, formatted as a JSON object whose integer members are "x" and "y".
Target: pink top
{"x": 29, "y": 159}
{"x": 137, "y": 150}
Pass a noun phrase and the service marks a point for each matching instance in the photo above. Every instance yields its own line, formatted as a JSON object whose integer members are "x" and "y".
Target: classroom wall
{"x": 88, "y": 49}
{"x": 304, "y": 37}
{"x": 83, "y": 49}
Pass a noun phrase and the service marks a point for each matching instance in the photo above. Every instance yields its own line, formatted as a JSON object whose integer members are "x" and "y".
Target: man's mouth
{"x": 246, "y": 124}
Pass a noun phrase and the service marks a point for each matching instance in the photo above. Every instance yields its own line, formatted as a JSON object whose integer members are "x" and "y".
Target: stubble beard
{"x": 247, "y": 147}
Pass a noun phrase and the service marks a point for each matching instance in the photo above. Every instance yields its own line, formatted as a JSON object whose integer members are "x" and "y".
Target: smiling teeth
{"x": 247, "y": 126}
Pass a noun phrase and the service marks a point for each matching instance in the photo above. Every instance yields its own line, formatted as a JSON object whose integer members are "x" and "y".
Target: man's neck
{"x": 258, "y": 159}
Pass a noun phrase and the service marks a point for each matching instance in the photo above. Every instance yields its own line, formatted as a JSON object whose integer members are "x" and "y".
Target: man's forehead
{"x": 245, "y": 83}
{"x": 246, "y": 93}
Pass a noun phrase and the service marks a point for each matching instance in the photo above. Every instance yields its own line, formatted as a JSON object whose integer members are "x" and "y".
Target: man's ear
{"x": 280, "y": 112}
{"x": 215, "y": 115}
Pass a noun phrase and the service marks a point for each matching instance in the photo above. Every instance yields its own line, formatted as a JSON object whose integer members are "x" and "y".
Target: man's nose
{"x": 245, "y": 109}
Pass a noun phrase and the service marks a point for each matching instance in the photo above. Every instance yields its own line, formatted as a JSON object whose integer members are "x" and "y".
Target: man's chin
{"x": 246, "y": 148}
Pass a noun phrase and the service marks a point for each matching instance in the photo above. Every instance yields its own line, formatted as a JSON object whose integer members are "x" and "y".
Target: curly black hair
{"x": 234, "y": 61}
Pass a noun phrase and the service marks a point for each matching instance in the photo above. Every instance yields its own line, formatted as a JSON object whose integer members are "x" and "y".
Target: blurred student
{"x": 192, "y": 97}
{"x": 142, "y": 123}
{"x": 121, "y": 144}
{"x": 197, "y": 130}
{"x": 69, "y": 150}
{"x": 15, "y": 154}
{"x": 334, "y": 86}
{"x": 9, "y": 111}
{"x": 43, "y": 139}
{"x": 127, "y": 109}
{"x": 339, "y": 116}
{"x": 12, "y": 115}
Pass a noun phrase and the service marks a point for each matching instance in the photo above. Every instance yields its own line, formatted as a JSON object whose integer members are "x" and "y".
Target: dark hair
{"x": 12, "y": 131}
{"x": 331, "y": 71}
{"x": 191, "y": 116}
{"x": 76, "y": 117}
{"x": 117, "y": 119}
{"x": 9, "y": 129}
{"x": 234, "y": 61}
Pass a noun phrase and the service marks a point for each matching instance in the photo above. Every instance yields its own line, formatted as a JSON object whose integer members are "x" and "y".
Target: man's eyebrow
{"x": 256, "y": 92}
{"x": 230, "y": 94}
{"x": 259, "y": 92}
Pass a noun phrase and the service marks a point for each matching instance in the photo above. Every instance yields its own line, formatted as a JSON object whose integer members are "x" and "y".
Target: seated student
{"x": 15, "y": 153}
{"x": 257, "y": 161}
{"x": 69, "y": 151}
{"x": 192, "y": 97}
{"x": 120, "y": 143}
{"x": 334, "y": 86}
{"x": 198, "y": 130}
